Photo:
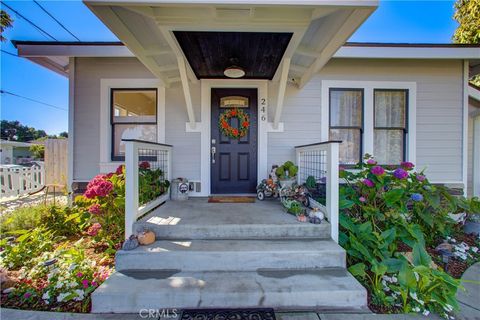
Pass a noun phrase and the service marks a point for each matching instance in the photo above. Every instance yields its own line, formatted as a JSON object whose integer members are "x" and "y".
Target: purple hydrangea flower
{"x": 362, "y": 199}
{"x": 420, "y": 177}
{"x": 416, "y": 197}
{"x": 369, "y": 183}
{"x": 377, "y": 170}
{"x": 371, "y": 161}
{"x": 407, "y": 165}
{"x": 400, "y": 173}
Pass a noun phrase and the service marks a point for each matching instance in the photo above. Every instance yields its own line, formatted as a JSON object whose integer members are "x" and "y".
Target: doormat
{"x": 231, "y": 199}
{"x": 229, "y": 314}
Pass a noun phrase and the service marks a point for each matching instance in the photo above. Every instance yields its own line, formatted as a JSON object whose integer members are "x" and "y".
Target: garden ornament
{"x": 146, "y": 237}
{"x": 131, "y": 243}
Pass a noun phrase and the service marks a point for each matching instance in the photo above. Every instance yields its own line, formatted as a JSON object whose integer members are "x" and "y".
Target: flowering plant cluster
{"x": 229, "y": 131}
{"x": 60, "y": 277}
{"x": 104, "y": 200}
{"x": 386, "y": 211}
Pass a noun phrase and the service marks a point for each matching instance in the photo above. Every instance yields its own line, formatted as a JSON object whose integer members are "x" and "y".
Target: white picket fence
{"x": 18, "y": 181}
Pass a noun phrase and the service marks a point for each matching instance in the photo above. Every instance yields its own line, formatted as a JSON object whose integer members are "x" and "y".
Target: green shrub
{"x": 28, "y": 245}
{"x": 382, "y": 208}
{"x": 22, "y": 218}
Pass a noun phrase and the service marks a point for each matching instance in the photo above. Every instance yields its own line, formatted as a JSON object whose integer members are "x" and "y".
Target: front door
{"x": 234, "y": 160}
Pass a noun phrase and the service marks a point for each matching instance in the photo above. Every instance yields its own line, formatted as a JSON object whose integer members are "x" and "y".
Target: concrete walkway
{"x": 469, "y": 301}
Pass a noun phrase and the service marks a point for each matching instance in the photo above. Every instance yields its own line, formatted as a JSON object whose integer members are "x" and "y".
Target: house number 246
{"x": 263, "y": 109}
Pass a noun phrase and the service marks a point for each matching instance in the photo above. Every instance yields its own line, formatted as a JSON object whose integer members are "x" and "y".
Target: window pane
{"x": 390, "y": 108}
{"x": 134, "y": 105}
{"x": 346, "y": 108}
{"x": 388, "y": 146}
{"x": 146, "y": 132}
{"x": 349, "y": 152}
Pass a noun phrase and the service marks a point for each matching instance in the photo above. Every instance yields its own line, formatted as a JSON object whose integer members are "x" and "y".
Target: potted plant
{"x": 287, "y": 174}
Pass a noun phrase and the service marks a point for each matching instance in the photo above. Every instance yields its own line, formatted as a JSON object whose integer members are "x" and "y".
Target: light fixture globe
{"x": 234, "y": 72}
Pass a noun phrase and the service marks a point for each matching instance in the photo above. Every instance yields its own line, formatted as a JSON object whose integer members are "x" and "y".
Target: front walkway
{"x": 468, "y": 300}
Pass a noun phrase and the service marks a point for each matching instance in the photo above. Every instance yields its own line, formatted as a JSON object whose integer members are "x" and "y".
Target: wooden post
{"x": 332, "y": 188}
{"x": 131, "y": 186}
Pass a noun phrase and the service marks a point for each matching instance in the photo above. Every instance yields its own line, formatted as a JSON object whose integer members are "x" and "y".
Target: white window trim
{"x": 368, "y": 114}
{"x": 106, "y": 163}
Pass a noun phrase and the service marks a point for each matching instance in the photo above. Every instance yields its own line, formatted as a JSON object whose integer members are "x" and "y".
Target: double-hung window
{"x": 390, "y": 125}
{"x": 133, "y": 116}
{"x": 346, "y": 123}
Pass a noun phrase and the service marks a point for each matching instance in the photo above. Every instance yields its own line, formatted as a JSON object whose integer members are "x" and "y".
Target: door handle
{"x": 213, "y": 151}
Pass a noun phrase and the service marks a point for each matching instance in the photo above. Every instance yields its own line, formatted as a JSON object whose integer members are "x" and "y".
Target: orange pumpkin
{"x": 146, "y": 238}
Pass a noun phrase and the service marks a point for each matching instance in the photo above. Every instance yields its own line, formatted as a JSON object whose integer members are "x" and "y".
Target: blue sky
{"x": 393, "y": 21}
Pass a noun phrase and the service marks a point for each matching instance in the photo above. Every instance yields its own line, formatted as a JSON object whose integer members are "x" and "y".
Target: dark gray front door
{"x": 234, "y": 162}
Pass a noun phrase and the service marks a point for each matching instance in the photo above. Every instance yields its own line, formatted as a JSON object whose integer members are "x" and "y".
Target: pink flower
{"x": 79, "y": 274}
{"x": 400, "y": 174}
{"x": 90, "y": 194}
{"x": 120, "y": 169}
{"x": 144, "y": 165}
{"x": 371, "y": 161}
{"x": 103, "y": 188}
{"x": 85, "y": 283}
{"x": 93, "y": 229}
{"x": 420, "y": 177}
{"x": 362, "y": 199}
{"x": 407, "y": 165}
{"x": 377, "y": 170}
{"x": 369, "y": 183}
{"x": 95, "y": 209}
{"x": 27, "y": 295}
{"x": 341, "y": 168}
{"x": 94, "y": 284}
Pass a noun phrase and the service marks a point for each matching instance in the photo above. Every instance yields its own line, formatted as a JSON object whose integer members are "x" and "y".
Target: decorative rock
{"x": 5, "y": 280}
{"x": 315, "y": 212}
{"x": 146, "y": 238}
{"x": 131, "y": 243}
{"x": 49, "y": 262}
{"x": 445, "y": 246}
{"x": 8, "y": 290}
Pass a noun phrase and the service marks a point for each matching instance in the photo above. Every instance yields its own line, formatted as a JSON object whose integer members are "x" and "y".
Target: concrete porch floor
{"x": 199, "y": 211}
{"x": 198, "y": 219}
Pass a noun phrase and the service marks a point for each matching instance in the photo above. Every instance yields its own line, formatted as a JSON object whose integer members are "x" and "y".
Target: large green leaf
{"x": 393, "y": 264}
{"x": 358, "y": 270}
{"x": 393, "y": 196}
{"x": 346, "y": 204}
{"x": 379, "y": 269}
{"x": 420, "y": 255}
{"x": 388, "y": 237}
{"x": 406, "y": 278}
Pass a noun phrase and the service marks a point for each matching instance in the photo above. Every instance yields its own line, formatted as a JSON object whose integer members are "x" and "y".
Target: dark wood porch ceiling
{"x": 209, "y": 53}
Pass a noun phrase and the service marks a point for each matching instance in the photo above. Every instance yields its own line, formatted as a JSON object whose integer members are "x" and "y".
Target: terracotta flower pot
{"x": 302, "y": 218}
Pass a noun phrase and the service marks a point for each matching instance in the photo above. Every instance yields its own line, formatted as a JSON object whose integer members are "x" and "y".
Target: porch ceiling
{"x": 317, "y": 27}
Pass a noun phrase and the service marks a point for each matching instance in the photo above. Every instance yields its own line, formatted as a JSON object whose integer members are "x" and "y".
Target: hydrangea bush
{"x": 386, "y": 211}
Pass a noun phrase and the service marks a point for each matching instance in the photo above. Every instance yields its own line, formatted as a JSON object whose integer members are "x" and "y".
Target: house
{"x": 15, "y": 152}
{"x": 298, "y": 90}
{"x": 473, "y": 176}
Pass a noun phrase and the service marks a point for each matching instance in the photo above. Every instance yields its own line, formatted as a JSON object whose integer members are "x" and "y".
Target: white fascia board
{"x": 408, "y": 52}
{"x": 72, "y": 50}
{"x": 349, "y": 3}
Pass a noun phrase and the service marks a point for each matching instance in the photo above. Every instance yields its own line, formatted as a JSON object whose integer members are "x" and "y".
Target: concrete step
{"x": 232, "y": 255}
{"x": 296, "y": 290}
{"x": 166, "y": 229}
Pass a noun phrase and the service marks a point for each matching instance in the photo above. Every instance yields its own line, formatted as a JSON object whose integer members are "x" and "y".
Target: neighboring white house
{"x": 14, "y": 152}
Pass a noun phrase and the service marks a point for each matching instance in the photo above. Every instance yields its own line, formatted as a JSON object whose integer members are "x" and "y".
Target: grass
{"x": 23, "y": 218}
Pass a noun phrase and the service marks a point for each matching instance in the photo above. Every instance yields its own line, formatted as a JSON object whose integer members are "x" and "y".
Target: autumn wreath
{"x": 228, "y": 130}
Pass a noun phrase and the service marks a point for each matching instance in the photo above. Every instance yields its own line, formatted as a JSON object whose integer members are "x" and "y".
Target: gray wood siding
{"x": 88, "y": 73}
{"x": 439, "y": 110}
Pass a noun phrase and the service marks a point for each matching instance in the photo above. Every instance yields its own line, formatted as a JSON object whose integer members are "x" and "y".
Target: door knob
{"x": 213, "y": 151}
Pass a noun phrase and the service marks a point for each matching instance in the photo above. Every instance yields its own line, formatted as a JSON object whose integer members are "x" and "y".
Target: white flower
{"x": 10, "y": 265}
{"x": 416, "y": 309}
{"x": 394, "y": 279}
{"x": 453, "y": 240}
{"x": 72, "y": 284}
{"x": 474, "y": 249}
{"x": 426, "y": 313}
{"x": 72, "y": 267}
{"x": 80, "y": 295}
{"x": 46, "y": 296}
{"x": 62, "y": 296}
